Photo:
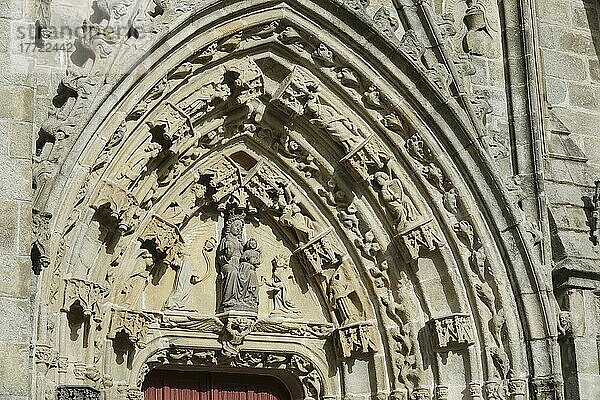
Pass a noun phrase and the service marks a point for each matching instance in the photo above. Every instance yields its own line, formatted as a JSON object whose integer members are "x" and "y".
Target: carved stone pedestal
{"x": 356, "y": 340}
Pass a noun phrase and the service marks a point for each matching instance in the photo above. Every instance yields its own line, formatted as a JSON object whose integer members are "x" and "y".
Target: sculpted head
{"x": 381, "y": 178}
{"x": 236, "y": 227}
{"x": 251, "y": 244}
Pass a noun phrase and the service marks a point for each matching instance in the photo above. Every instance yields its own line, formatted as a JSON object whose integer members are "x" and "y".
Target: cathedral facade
{"x": 300, "y": 199}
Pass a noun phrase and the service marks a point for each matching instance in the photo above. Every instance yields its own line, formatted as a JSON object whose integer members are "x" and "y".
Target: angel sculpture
{"x": 282, "y": 305}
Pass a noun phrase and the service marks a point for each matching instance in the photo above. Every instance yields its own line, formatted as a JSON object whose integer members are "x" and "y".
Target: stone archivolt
{"x": 265, "y": 143}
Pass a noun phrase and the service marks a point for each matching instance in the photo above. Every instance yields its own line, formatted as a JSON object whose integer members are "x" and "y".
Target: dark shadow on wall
{"x": 592, "y": 13}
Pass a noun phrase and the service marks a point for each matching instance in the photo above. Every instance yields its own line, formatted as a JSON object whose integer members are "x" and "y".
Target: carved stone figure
{"x": 184, "y": 279}
{"x": 282, "y": 305}
{"x": 139, "y": 165}
{"x": 343, "y": 297}
{"x": 336, "y": 125}
{"x": 392, "y": 194}
{"x": 478, "y": 39}
{"x": 293, "y": 217}
{"x": 238, "y": 264}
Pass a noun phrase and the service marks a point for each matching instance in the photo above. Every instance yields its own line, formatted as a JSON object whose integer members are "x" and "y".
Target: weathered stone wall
{"x": 569, "y": 38}
{"x": 16, "y": 132}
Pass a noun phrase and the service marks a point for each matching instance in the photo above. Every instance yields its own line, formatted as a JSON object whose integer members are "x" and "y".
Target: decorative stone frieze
{"x": 77, "y": 393}
{"x": 301, "y": 367}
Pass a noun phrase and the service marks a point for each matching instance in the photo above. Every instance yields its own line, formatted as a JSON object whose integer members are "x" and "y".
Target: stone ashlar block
{"x": 556, "y": 91}
{"x": 586, "y": 96}
{"x": 565, "y": 66}
{"x": 15, "y": 320}
{"x": 21, "y": 141}
{"x": 15, "y": 276}
{"x": 15, "y": 370}
{"x": 8, "y": 223}
{"x": 16, "y": 103}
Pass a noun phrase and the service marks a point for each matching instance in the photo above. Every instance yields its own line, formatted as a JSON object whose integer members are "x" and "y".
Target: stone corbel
{"x": 237, "y": 325}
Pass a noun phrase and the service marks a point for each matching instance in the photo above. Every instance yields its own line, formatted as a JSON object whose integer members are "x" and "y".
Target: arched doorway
{"x": 202, "y": 385}
{"x": 269, "y": 197}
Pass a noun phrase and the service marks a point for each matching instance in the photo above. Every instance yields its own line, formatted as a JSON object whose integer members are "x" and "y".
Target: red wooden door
{"x": 175, "y": 385}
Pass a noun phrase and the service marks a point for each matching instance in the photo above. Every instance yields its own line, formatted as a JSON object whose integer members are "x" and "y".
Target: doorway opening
{"x": 202, "y": 385}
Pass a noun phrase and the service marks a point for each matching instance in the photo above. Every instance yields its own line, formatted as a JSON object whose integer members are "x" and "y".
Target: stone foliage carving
{"x": 452, "y": 332}
{"x": 302, "y": 368}
{"x": 77, "y": 393}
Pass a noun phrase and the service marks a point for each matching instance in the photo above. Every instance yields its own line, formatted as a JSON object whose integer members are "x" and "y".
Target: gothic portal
{"x": 296, "y": 192}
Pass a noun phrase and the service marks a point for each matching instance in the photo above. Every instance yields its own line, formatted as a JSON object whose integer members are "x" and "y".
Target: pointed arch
{"x": 441, "y": 266}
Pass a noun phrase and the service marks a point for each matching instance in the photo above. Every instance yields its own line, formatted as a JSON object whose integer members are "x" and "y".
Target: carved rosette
{"x": 302, "y": 368}
{"x": 356, "y": 340}
{"x": 134, "y": 324}
{"x": 454, "y": 332}
{"x": 77, "y": 393}
{"x": 90, "y": 296}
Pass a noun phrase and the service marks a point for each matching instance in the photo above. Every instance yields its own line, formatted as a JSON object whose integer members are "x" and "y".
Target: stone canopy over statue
{"x": 237, "y": 262}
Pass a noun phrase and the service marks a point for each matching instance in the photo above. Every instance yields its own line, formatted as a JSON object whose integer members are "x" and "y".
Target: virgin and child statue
{"x": 238, "y": 262}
